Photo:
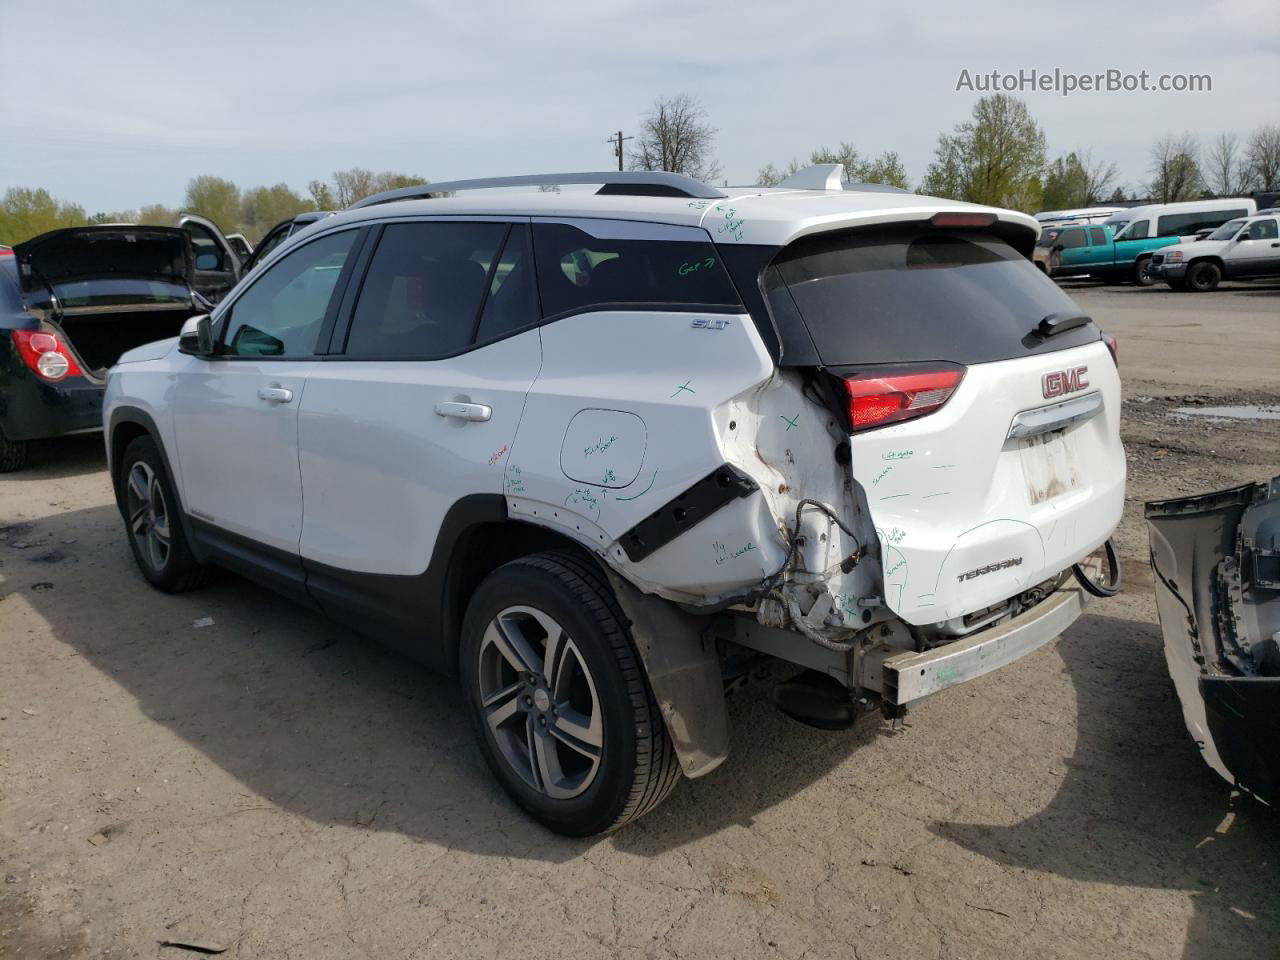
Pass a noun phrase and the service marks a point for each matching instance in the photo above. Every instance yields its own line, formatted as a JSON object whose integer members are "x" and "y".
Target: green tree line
{"x": 28, "y": 212}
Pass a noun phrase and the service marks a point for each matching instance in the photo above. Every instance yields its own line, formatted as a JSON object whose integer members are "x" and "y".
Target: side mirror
{"x": 196, "y": 337}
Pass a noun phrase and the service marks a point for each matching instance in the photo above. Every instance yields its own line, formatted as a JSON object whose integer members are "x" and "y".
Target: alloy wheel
{"x": 148, "y": 515}
{"x": 539, "y": 700}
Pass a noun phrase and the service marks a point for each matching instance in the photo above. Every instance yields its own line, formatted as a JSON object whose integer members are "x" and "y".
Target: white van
{"x": 1178, "y": 219}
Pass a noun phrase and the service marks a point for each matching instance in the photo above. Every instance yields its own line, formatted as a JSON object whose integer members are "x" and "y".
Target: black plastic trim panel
{"x": 720, "y": 487}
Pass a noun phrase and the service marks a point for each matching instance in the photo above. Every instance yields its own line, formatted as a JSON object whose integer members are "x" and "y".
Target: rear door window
{"x": 590, "y": 264}
{"x": 424, "y": 289}
{"x": 1097, "y": 237}
{"x": 917, "y": 294}
{"x": 1072, "y": 238}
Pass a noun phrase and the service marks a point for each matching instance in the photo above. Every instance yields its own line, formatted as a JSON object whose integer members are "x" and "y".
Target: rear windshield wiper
{"x": 1060, "y": 322}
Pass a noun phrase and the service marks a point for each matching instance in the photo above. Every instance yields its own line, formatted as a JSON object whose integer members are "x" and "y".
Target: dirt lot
{"x": 273, "y": 785}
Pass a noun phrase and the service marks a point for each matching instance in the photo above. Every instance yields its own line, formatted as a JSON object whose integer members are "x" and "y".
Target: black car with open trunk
{"x": 71, "y": 302}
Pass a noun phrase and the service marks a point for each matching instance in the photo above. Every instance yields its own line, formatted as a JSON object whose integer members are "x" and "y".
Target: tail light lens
{"x": 1113, "y": 346}
{"x": 44, "y": 353}
{"x": 876, "y": 400}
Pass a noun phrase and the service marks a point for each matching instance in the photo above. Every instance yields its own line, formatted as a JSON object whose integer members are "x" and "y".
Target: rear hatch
{"x": 108, "y": 288}
{"x": 982, "y": 408}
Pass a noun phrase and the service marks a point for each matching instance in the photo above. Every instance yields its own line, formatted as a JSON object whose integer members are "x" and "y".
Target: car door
{"x": 235, "y": 414}
{"x": 1099, "y": 250}
{"x": 275, "y": 236}
{"x": 217, "y": 264}
{"x": 1074, "y": 242}
{"x": 417, "y": 407}
{"x": 1255, "y": 252}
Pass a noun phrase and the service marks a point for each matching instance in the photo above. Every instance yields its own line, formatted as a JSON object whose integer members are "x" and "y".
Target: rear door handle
{"x": 464, "y": 411}
{"x": 275, "y": 394}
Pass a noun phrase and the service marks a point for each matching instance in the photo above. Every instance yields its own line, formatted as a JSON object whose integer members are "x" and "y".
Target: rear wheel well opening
{"x": 485, "y": 547}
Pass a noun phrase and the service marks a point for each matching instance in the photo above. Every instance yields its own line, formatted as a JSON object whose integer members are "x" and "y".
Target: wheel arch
{"x": 128, "y": 424}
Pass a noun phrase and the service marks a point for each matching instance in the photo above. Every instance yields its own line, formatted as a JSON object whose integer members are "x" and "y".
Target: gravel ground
{"x": 275, "y": 786}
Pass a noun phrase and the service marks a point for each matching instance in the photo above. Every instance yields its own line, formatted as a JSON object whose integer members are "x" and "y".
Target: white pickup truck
{"x": 1247, "y": 248}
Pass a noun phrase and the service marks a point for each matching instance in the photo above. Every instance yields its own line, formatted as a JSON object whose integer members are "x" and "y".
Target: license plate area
{"x": 1048, "y": 465}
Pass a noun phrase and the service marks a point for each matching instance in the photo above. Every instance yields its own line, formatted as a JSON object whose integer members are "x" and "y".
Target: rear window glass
{"x": 577, "y": 271}
{"x": 915, "y": 295}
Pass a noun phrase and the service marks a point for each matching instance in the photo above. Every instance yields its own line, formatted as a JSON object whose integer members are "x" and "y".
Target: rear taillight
{"x": 879, "y": 399}
{"x": 1113, "y": 346}
{"x": 44, "y": 353}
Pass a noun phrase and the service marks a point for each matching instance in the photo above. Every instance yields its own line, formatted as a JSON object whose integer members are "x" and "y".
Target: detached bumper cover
{"x": 1216, "y": 560}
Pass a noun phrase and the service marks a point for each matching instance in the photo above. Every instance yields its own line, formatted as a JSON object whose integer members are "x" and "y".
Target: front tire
{"x": 1142, "y": 272}
{"x": 1203, "y": 276}
{"x": 153, "y": 523}
{"x": 559, "y": 699}
{"x": 13, "y": 454}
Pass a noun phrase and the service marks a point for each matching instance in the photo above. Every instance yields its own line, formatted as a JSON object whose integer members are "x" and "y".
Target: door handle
{"x": 275, "y": 394}
{"x": 464, "y": 411}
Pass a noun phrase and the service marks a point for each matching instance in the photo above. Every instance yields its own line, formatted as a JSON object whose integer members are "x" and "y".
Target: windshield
{"x": 1118, "y": 228}
{"x": 1047, "y": 236}
{"x": 1226, "y": 231}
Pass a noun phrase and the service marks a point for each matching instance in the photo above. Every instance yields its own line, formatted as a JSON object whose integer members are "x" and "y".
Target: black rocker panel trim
{"x": 720, "y": 487}
{"x": 415, "y": 613}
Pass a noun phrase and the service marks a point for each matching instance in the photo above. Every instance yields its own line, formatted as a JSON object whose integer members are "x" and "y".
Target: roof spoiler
{"x": 830, "y": 176}
{"x": 639, "y": 182}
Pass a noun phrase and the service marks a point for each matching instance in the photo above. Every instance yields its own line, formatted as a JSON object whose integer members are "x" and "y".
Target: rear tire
{"x": 1203, "y": 276}
{"x": 153, "y": 521}
{"x": 578, "y": 742}
{"x": 1142, "y": 272}
{"x": 13, "y": 454}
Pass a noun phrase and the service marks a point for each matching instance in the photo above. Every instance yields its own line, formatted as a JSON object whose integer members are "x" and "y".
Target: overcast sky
{"x": 117, "y": 104}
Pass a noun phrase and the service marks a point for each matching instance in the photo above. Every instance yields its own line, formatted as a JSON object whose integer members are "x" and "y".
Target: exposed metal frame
{"x": 677, "y": 183}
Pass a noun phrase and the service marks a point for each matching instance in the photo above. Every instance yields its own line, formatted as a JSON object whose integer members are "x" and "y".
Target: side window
{"x": 424, "y": 288}
{"x": 512, "y": 300}
{"x": 280, "y": 315}
{"x": 1263, "y": 230}
{"x": 1097, "y": 237}
{"x": 612, "y": 262}
{"x": 208, "y": 253}
{"x": 1138, "y": 231}
{"x": 1071, "y": 239}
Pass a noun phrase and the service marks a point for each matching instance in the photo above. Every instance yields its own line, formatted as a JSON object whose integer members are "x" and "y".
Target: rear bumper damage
{"x": 1216, "y": 560}
{"x": 901, "y": 677}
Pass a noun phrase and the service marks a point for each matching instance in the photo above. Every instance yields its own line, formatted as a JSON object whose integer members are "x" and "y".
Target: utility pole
{"x": 616, "y": 140}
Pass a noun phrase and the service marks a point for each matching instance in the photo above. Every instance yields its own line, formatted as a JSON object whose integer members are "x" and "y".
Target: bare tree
{"x": 1099, "y": 177}
{"x": 676, "y": 136}
{"x": 1228, "y": 172}
{"x": 1264, "y": 156}
{"x": 1175, "y": 161}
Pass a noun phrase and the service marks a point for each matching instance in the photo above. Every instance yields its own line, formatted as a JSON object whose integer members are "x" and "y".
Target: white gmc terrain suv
{"x": 599, "y": 451}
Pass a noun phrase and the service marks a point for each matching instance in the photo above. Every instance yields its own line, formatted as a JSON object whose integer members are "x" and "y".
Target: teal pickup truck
{"x": 1121, "y": 248}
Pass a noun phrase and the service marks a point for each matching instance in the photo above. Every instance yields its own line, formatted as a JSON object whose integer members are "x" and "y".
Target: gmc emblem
{"x": 1061, "y": 382}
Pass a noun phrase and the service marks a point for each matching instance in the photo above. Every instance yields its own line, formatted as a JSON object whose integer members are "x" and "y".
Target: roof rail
{"x": 644, "y": 183}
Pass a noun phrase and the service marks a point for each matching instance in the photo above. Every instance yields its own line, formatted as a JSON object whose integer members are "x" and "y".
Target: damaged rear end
{"x": 940, "y": 447}
{"x": 1216, "y": 560}
{"x": 98, "y": 292}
